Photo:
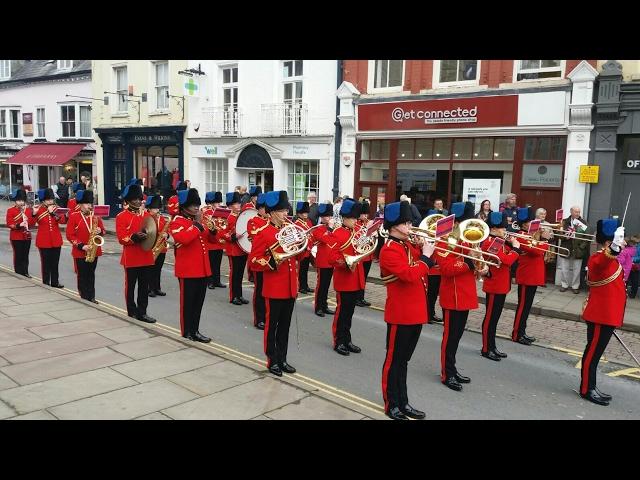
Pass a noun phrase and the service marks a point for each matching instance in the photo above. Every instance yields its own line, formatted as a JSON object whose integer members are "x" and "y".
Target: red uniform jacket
{"x": 247, "y": 206}
{"x": 458, "y": 280}
{"x": 405, "y": 276}
{"x": 531, "y": 269}
{"x": 306, "y": 224}
{"x": 173, "y": 207}
{"x": 49, "y": 235}
{"x": 344, "y": 280}
{"x": 254, "y": 226}
{"x": 279, "y": 281}
{"x": 128, "y": 223}
{"x": 15, "y": 218}
{"x": 325, "y": 241}
{"x": 78, "y": 233}
{"x": 499, "y": 278}
{"x": 232, "y": 248}
{"x": 192, "y": 257}
{"x": 72, "y": 205}
{"x": 214, "y": 241}
{"x": 605, "y": 304}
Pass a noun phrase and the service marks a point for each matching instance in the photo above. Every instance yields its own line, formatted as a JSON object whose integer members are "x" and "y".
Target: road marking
{"x": 629, "y": 372}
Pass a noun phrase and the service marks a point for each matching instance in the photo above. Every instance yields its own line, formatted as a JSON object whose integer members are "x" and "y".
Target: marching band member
{"x": 192, "y": 263}
{"x": 404, "y": 274}
{"x": 19, "y": 219}
{"x": 458, "y": 295}
{"x": 215, "y": 242}
{"x": 323, "y": 238}
{"x": 254, "y": 226}
{"x": 72, "y": 204}
{"x": 497, "y": 283}
{"x": 154, "y": 204}
{"x": 530, "y": 274}
{"x": 346, "y": 283}
{"x": 78, "y": 233}
{"x": 280, "y": 286}
{"x": 434, "y": 278}
{"x": 605, "y": 304}
{"x": 49, "y": 238}
{"x": 237, "y": 256}
{"x": 302, "y": 214}
{"x": 254, "y": 191}
{"x": 366, "y": 262}
{"x": 137, "y": 262}
{"x": 172, "y": 203}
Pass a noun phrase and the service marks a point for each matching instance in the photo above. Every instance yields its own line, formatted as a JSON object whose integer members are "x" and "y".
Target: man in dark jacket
{"x": 62, "y": 192}
{"x": 313, "y": 207}
{"x": 571, "y": 267}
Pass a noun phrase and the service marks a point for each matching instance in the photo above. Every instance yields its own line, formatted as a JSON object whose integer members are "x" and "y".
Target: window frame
{"x": 157, "y": 88}
{"x": 62, "y": 121}
{"x": 371, "y": 88}
{"x": 80, "y": 122}
{"x": 43, "y": 123}
{"x": 3, "y": 123}
{"x": 230, "y": 86}
{"x": 116, "y": 104}
{"x": 5, "y": 66}
{"x": 77, "y": 124}
{"x": 517, "y": 70}
{"x": 294, "y": 80}
{"x": 220, "y": 173}
{"x": 458, "y": 83}
{"x": 291, "y": 175}
{"x": 18, "y": 135}
{"x": 62, "y": 65}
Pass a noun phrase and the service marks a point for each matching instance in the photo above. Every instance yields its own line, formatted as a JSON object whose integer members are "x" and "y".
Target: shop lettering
{"x": 152, "y": 138}
{"x": 211, "y": 150}
{"x": 633, "y": 164}
{"x": 300, "y": 149}
{"x": 456, "y": 115}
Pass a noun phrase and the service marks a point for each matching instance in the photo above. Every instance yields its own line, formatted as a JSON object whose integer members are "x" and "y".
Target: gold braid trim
{"x": 607, "y": 280}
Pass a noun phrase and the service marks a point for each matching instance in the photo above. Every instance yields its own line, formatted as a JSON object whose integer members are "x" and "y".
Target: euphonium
{"x": 94, "y": 242}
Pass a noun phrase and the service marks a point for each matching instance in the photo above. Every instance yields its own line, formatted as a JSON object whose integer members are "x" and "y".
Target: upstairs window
{"x": 65, "y": 64}
{"x": 388, "y": 74}
{"x": 538, "y": 69}
{"x": 456, "y": 72}
{"x": 5, "y": 69}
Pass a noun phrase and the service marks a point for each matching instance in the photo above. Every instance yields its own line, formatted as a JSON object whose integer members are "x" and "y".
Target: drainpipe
{"x": 338, "y": 140}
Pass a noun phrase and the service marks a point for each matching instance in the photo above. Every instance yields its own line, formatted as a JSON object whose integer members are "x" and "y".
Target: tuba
{"x": 94, "y": 242}
{"x": 293, "y": 239}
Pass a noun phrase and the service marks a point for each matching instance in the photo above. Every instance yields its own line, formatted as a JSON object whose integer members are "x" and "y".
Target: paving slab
{"x": 16, "y": 336}
{"x": 79, "y": 312}
{"x": 166, "y": 365}
{"x": 26, "y": 321}
{"x": 39, "y": 415}
{"x": 127, "y": 403}
{"x": 154, "y": 416}
{"x": 42, "y": 296}
{"x": 48, "y": 368}
{"x": 54, "y": 347}
{"x": 3, "y": 362}
{"x": 261, "y": 417}
{"x": 81, "y": 326}
{"x": 149, "y": 347}
{"x": 214, "y": 378}
{"x": 42, "y": 395}
{"x": 6, "y": 301}
{"x": 6, "y": 382}
{"x": 126, "y": 334}
{"x": 12, "y": 282}
{"x": 243, "y": 402}
{"x": 6, "y": 411}
{"x": 313, "y": 408}
{"x": 38, "y": 307}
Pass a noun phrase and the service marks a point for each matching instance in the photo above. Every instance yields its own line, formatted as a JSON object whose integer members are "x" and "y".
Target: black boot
{"x": 491, "y": 356}
{"x": 593, "y": 397}
{"x": 606, "y": 396}
{"x": 411, "y": 412}
{"x": 342, "y": 349}
{"x": 395, "y": 414}
{"x": 462, "y": 378}
{"x": 499, "y": 353}
{"x": 453, "y": 384}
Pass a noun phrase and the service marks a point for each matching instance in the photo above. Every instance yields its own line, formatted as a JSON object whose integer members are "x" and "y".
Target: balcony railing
{"x": 284, "y": 119}
{"x": 221, "y": 121}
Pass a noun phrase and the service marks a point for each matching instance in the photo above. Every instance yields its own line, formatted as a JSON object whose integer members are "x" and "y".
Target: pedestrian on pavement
{"x": 605, "y": 305}
{"x": 19, "y": 219}
{"x": 406, "y": 265}
{"x": 510, "y": 207}
{"x": 438, "y": 207}
{"x": 62, "y": 191}
{"x": 79, "y": 231}
{"x": 192, "y": 266}
{"x": 244, "y": 195}
{"x": 485, "y": 210}
{"x": 571, "y": 266}
{"x": 49, "y": 238}
{"x": 313, "y": 207}
{"x": 154, "y": 204}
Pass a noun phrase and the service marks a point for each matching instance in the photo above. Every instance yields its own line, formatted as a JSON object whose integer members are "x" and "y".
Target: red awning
{"x": 46, "y": 154}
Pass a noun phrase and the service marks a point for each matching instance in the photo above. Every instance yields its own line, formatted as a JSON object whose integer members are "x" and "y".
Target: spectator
{"x": 85, "y": 178}
{"x": 626, "y": 260}
{"x": 313, "y": 207}
{"x": 511, "y": 208}
{"x": 571, "y": 266}
{"x": 485, "y": 210}
{"x": 62, "y": 192}
{"x": 244, "y": 195}
{"x": 438, "y": 206}
{"x": 634, "y": 274}
{"x": 415, "y": 214}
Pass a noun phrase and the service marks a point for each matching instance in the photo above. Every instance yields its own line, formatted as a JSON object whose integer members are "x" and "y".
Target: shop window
{"x": 462, "y": 149}
{"x": 157, "y": 167}
{"x": 303, "y": 178}
{"x": 215, "y": 175}
{"x": 490, "y": 173}
{"x": 374, "y": 171}
{"x": 538, "y": 69}
{"x": 423, "y": 183}
{"x": 375, "y": 150}
{"x": 545, "y": 148}
{"x": 442, "y": 149}
{"x": 483, "y": 149}
{"x": 424, "y": 149}
{"x": 405, "y": 149}
{"x": 503, "y": 148}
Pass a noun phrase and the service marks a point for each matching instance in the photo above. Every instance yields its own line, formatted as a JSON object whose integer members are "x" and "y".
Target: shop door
{"x": 377, "y": 195}
{"x": 119, "y": 181}
{"x": 262, "y": 178}
{"x": 550, "y": 200}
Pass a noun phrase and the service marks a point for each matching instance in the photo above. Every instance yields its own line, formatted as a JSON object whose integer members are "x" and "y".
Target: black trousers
{"x": 156, "y": 272}
{"x": 632, "y": 283}
{"x": 342, "y": 318}
{"x": 49, "y": 260}
{"x": 432, "y": 294}
{"x": 86, "y": 273}
{"x": 401, "y": 342}
{"x": 454, "y": 323}
{"x": 598, "y": 337}
{"x": 139, "y": 275}
{"x": 525, "y": 300}
{"x": 259, "y": 308}
{"x": 322, "y": 288}
{"x": 367, "y": 267}
{"x": 276, "y": 329}
{"x": 494, "y": 306}
{"x": 21, "y": 256}
{"x": 303, "y": 282}
{"x": 236, "y": 267}
{"x": 192, "y": 293}
{"x": 215, "y": 259}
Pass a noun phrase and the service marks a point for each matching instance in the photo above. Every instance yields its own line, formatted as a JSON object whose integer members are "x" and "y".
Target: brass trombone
{"x": 533, "y": 243}
{"x": 558, "y": 231}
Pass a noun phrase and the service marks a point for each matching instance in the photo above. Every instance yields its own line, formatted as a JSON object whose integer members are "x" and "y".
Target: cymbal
{"x": 150, "y": 228}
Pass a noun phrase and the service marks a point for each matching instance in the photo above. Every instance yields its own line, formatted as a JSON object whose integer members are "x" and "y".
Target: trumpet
{"x": 560, "y": 232}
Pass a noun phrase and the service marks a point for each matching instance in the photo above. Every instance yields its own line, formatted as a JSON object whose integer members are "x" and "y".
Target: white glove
{"x": 618, "y": 239}
{"x": 428, "y": 248}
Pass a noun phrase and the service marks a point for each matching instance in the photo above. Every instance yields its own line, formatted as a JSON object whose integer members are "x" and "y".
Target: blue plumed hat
{"x": 132, "y": 191}
{"x": 153, "y": 201}
{"x": 302, "y": 207}
{"x": 255, "y": 190}
{"x": 396, "y": 213}
{"x": 46, "y": 194}
{"x": 261, "y": 199}
{"x": 19, "y": 195}
{"x": 277, "y": 200}
{"x": 526, "y": 214}
{"x": 233, "y": 197}
{"x": 209, "y": 197}
{"x": 350, "y": 209}
{"x": 325, "y": 210}
{"x": 84, "y": 196}
{"x": 188, "y": 197}
{"x": 77, "y": 186}
{"x": 497, "y": 220}
{"x": 606, "y": 228}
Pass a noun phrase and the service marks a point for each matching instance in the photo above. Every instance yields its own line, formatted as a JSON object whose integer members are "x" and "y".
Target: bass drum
{"x": 241, "y": 228}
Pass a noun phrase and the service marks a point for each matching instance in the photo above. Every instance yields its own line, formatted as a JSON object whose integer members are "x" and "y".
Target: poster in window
{"x": 27, "y": 124}
{"x": 476, "y": 190}
{"x": 300, "y": 187}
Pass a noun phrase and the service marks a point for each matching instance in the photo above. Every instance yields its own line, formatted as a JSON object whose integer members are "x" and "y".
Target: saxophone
{"x": 94, "y": 242}
{"x": 161, "y": 242}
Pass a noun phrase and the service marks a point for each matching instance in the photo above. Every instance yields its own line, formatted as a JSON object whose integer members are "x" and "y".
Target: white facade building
{"x": 263, "y": 122}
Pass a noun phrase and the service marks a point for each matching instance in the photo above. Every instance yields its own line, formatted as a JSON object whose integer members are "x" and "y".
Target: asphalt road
{"x": 533, "y": 383}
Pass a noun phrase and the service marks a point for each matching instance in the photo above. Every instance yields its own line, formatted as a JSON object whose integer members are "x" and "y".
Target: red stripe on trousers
{"x": 516, "y": 321}
{"x": 443, "y": 347}
{"x": 41, "y": 264}
{"x": 77, "y": 276}
{"x": 125, "y": 288}
{"x": 334, "y": 327}
{"x": 181, "y": 280}
{"x": 255, "y": 291}
{"x": 485, "y": 325}
{"x": 15, "y": 269}
{"x": 315, "y": 293}
{"x": 588, "y": 359}
{"x": 267, "y": 315}
{"x": 387, "y": 365}
{"x": 230, "y": 278}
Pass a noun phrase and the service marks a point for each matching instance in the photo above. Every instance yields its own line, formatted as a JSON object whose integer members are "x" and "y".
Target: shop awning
{"x": 51, "y": 154}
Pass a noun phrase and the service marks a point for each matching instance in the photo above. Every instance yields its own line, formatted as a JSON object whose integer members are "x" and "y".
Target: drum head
{"x": 149, "y": 226}
{"x": 241, "y": 228}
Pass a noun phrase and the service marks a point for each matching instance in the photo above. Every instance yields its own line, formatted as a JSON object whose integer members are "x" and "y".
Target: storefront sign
{"x": 589, "y": 173}
{"x": 27, "y": 124}
{"x": 153, "y": 138}
{"x": 476, "y": 190}
{"x": 630, "y": 155}
{"x": 490, "y": 111}
{"x": 113, "y": 139}
{"x": 209, "y": 151}
{"x": 304, "y": 152}
{"x": 537, "y": 175}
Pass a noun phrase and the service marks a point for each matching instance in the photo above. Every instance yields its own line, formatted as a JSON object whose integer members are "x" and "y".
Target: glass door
{"x": 377, "y": 196}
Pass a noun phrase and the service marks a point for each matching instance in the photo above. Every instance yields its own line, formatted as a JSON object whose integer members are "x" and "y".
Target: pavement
{"x": 65, "y": 358}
